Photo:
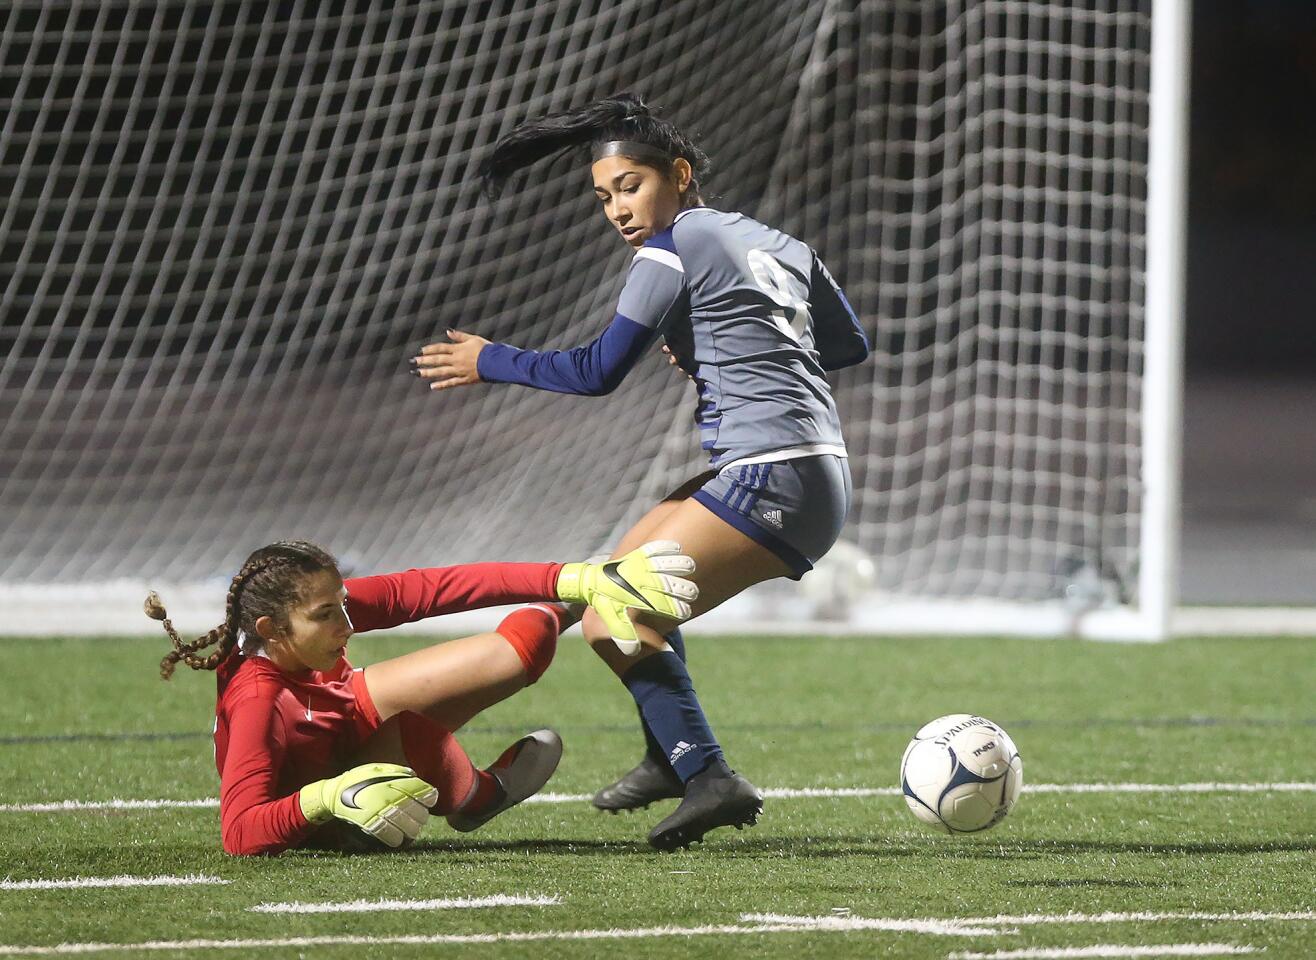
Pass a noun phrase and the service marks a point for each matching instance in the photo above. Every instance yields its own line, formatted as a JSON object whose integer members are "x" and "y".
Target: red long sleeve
{"x": 390, "y": 599}
{"x": 253, "y": 818}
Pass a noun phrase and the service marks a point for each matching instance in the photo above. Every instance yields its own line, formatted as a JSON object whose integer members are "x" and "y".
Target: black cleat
{"x": 649, "y": 781}
{"x": 712, "y": 799}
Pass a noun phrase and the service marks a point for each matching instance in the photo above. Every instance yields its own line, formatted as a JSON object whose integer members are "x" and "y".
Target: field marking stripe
{"x": 795, "y": 793}
{"x": 1171, "y": 788}
{"x": 950, "y": 927}
{"x": 71, "y": 806}
{"x": 74, "y": 883}
{"x": 1137, "y": 916}
{"x": 1109, "y": 950}
{"x": 370, "y": 906}
{"x": 990, "y": 925}
{"x": 946, "y": 927}
{"x": 638, "y": 933}
{"x": 61, "y": 806}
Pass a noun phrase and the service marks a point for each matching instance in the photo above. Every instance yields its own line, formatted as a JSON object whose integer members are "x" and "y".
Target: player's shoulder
{"x": 695, "y": 223}
{"x": 706, "y": 233}
{"x": 255, "y": 680}
{"x": 661, "y": 249}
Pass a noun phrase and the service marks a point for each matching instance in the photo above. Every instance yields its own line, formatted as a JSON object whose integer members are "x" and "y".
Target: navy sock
{"x": 663, "y": 691}
{"x": 652, "y": 748}
{"x": 676, "y": 642}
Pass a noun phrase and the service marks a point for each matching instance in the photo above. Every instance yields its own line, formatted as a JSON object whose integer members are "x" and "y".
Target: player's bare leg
{"x": 727, "y": 562}
{"x": 450, "y": 683}
{"x": 653, "y": 778}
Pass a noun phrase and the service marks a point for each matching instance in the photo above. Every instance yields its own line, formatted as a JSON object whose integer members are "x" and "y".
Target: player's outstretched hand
{"x": 645, "y": 580}
{"x": 673, "y": 362}
{"x": 446, "y": 365}
{"x": 385, "y": 800}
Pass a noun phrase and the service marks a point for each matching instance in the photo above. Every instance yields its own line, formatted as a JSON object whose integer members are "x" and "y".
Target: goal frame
{"x": 1161, "y": 416}
{"x": 1160, "y": 419}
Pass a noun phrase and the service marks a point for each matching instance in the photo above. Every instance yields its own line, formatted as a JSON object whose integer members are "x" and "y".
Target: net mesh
{"x": 226, "y": 225}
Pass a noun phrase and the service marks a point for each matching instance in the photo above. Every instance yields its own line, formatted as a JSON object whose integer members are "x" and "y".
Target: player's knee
{"x": 600, "y": 640}
{"x": 592, "y": 626}
{"x": 532, "y": 631}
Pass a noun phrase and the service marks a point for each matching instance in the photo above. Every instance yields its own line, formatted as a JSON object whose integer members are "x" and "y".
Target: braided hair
{"x": 624, "y": 116}
{"x": 267, "y": 584}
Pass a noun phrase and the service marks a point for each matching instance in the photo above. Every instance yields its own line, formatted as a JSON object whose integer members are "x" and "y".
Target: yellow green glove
{"x": 385, "y": 800}
{"x": 641, "y": 580}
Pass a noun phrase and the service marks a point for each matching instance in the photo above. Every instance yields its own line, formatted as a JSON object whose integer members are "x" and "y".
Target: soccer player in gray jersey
{"x": 754, "y": 319}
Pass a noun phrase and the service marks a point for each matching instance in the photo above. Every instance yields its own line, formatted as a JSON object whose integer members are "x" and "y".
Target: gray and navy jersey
{"x": 751, "y": 314}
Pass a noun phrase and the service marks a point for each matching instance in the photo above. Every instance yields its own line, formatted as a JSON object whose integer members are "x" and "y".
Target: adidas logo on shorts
{"x": 773, "y": 517}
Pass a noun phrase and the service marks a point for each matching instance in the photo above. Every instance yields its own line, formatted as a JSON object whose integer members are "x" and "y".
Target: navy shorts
{"x": 795, "y": 508}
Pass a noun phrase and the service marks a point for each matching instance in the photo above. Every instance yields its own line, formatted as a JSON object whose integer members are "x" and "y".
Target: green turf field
{"x": 88, "y": 720}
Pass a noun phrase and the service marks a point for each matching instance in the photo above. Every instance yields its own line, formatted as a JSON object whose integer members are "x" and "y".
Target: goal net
{"x": 226, "y": 225}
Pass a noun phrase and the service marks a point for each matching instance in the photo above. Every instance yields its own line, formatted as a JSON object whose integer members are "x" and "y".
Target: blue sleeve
{"x": 837, "y": 334}
{"x": 654, "y": 293}
{"x": 589, "y": 371}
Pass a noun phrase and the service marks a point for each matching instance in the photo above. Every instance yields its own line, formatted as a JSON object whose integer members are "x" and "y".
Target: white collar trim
{"x": 256, "y": 649}
{"x": 691, "y": 210}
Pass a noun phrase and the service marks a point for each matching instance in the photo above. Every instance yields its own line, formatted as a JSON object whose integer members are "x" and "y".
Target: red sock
{"x": 532, "y": 631}
{"x": 485, "y": 792}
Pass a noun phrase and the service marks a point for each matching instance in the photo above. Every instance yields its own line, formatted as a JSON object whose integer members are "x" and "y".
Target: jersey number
{"x": 781, "y": 287}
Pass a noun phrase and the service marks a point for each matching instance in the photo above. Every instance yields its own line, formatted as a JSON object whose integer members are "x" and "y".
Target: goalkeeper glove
{"x": 641, "y": 580}
{"x": 384, "y": 800}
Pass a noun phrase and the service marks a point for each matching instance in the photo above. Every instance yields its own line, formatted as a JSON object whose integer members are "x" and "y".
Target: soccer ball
{"x": 961, "y": 773}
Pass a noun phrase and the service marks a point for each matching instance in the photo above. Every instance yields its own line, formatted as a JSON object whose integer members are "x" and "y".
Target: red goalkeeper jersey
{"x": 276, "y": 732}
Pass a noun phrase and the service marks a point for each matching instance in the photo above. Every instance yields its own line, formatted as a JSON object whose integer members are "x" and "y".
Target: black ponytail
{"x": 624, "y": 116}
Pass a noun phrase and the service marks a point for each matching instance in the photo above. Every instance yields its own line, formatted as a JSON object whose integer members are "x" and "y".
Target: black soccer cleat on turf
{"x": 649, "y": 781}
{"x": 712, "y": 799}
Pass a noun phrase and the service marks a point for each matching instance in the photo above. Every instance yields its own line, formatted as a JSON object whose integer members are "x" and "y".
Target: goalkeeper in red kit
{"x": 312, "y": 752}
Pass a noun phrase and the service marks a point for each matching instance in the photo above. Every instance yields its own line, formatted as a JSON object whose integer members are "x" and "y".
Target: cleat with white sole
{"x": 521, "y": 772}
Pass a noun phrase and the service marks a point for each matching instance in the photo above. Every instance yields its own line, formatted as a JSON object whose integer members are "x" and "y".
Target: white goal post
{"x": 225, "y": 226}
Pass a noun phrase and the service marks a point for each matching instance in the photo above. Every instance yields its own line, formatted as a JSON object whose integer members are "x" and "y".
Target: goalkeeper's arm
{"x": 255, "y": 819}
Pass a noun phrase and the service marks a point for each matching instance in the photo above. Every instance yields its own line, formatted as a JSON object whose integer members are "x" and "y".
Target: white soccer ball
{"x": 961, "y": 773}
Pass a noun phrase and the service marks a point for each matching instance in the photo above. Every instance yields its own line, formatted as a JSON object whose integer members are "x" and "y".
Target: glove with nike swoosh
{"x": 642, "y": 580}
{"x": 384, "y": 800}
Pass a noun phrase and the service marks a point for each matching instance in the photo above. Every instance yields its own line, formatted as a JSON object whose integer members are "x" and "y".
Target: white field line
{"x": 370, "y": 906}
{"x": 944, "y": 927}
{"x": 782, "y": 793}
{"x": 72, "y": 806}
{"x": 638, "y": 933}
{"x": 1030, "y": 919}
{"x": 1172, "y": 788}
{"x": 74, "y": 883}
{"x": 61, "y": 806}
{"x": 1110, "y": 950}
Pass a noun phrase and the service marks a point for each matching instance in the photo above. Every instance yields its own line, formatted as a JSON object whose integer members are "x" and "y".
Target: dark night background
{"x": 1252, "y": 187}
{"x": 1249, "y": 440}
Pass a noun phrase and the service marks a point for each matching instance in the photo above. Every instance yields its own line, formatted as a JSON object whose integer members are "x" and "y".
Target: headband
{"x": 632, "y": 148}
